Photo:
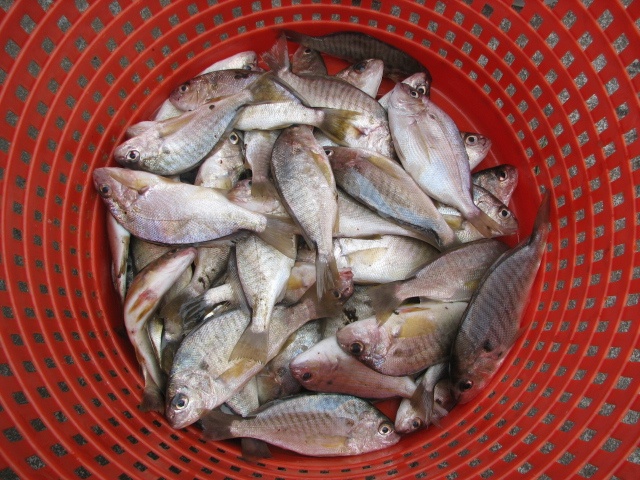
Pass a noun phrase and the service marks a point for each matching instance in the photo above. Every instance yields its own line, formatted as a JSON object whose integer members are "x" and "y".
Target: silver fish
{"x": 307, "y": 188}
{"x": 500, "y": 181}
{"x": 365, "y": 75}
{"x": 247, "y": 60}
{"x": 412, "y": 339}
{"x": 258, "y": 146}
{"x": 431, "y": 150}
{"x": 452, "y": 276}
{"x": 301, "y": 424}
{"x": 477, "y": 147}
{"x": 222, "y": 168}
{"x": 246, "y": 400}
{"x": 163, "y": 211}
{"x": 491, "y": 323}
{"x": 327, "y": 368}
{"x": 140, "y": 304}
{"x": 119, "y": 240}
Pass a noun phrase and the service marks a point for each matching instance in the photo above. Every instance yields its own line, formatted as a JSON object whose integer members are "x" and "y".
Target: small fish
{"x": 431, "y": 150}
{"x": 491, "y": 323}
{"x": 365, "y": 75}
{"x": 258, "y": 146}
{"x": 140, "y": 304}
{"x": 221, "y": 169}
{"x": 438, "y": 399}
{"x": 306, "y": 61}
{"x": 500, "y": 181}
{"x": 452, "y": 276}
{"x": 327, "y": 368}
{"x": 477, "y": 147}
{"x": 382, "y": 185}
{"x": 303, "y": 177}
{"x": 163, "y": 211}
{"x": 319, "y": 425}
{"x": 356, "y": 46}
{"x": 412, "y": 339}
{"x": 210, "y": 86}
{"x": 387, "y": 258}
{"x": 418, "y": 81}
{"x": 247, "y": 60}
{"x": 119, "y": 240}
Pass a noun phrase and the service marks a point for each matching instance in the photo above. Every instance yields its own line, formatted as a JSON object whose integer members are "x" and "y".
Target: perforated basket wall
{"x": 555, "y": 85}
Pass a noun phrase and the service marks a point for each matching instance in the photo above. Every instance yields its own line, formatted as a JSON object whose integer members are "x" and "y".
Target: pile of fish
{"x": 289, "y": 250}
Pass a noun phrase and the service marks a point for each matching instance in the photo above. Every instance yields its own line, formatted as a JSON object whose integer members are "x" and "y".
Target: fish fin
{"x": 263, "y": 188}
{"x": 541, "y": 226}
{"x": 336, "y": 123}
{"x": 217, "y": 425}
{"x": 139, "y": 128}
{"x": 252, "y": 344}
{"x": 254, "y": 449}
{"x": 280, "y": 234}
{"x": 327, "y": 276}
{"x": 194, "y": 310}
{"x": 233, "y": 279}
{"x": 152, "y": 397}
{"x": 265, "y": 89}
{"x": 277, "y": 59}
{"x": 388, "y": 166}
{"x": 487, "y": 226}
{"x": 175, "y": 124}
{"x": 454, "y": 221}
{"x": 384, "y": 300}
{"x": 295, "y": 37}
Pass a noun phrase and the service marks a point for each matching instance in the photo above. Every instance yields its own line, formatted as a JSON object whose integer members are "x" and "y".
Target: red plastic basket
{"x": 554, "y": 84}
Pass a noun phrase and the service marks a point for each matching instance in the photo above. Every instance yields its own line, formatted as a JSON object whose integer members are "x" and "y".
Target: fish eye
{"x": 360, "y": 67}
{"x": 416, "y": 423}
{"x": 105, "y": 190}
{"x": 133, "y": 155}
{"x": 180, "y": 401}
{"x": 385, "y": 428}
{"x": 307, "y": 50}
{"x": 234, "y": 138}
{"x": 246, "y": 67}
{"x": 414, "y": 93}
{"x": 502, "y": 175}
{"x": 422, "y": 89}
{"x": 472, "y": 139}
{"x": 465, "y": 385}
{"x": 306, "y": 376}
{"x": 356, "y": 348}
{"x": 184, "y": 87}
{"x": 328, "y": 152}
{"x": 504, "y": 213}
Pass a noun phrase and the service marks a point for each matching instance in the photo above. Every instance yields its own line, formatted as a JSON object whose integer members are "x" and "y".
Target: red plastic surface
{"x": 554, "y": 84}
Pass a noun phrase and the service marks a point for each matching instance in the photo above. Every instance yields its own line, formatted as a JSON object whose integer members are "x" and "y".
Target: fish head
{"x": 189, "y": 396}
{"x": 316, "y": 366}
{"x": 119, "y": 189}
{"x": 361, "y": 339}
{"x": 407, "y": 99}
{"x": 139, "y": 151}
{"x": 407, "y": 419}
{"x": 477, "y": 144}
{"x": 470, "y": 376}
{"x": 365, "y": 71}
{"x": 190, "y": 95}
{"x": 498, "y": 211}
{"x": 371, "y": 431}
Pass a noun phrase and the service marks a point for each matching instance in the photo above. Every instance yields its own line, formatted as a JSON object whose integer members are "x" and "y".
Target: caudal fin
{"x": 280, "y": 234}
{"x": 338, "y": 124}
{"x": 541, "y": 226}
{"x": 278, "y": 57}
{"x": 217, "y": 425}
{"x": 385, "y": 299}
{"x": 152, "y": 397}
{"x": 263, "y": 188}
{"x": 252, "y": 344}
{"x": 254, "y": 449}
{"x": 327, "y": 275}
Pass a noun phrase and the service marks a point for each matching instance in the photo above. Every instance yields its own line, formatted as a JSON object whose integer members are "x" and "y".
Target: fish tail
{"x": 254, "y": 449}
{"x": 488, "y": 227}
{"x": 252, "y": 344}
{"x": 384, "y": 300}
{"x": 278, "y": 57}
{"x": 152, "y": 396}
{"x": 266, "y": 90}
{"x": 194, "y": 310}
{"x": 327, "y": 275}
{"x": 280, "y": 233}
{"x": 337, "y": 124}
{"x": 217, "y": 425}
{"x": 263, "y": 188}
{"x": 541, "y": 225}
{"x": 296, "y": 37}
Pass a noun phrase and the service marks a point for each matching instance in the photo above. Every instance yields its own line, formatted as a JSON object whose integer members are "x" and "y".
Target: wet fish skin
{"x": 141, "y": 302}
{"x": 491, "y": 323}
{"x": 266, "y": 201}
{"x": 431, "y": 150}
{"x": 477, "y": 147}
{"x": 452, "y": 276}
{"x": 381, "y": 184}
{"x": 412, "y": 339}
{"x": 247, "y": 60}
{"x": 222, "y": 168}
{"x": 304, "y": 179}
{"x": 356, "y": 46}
{"x": 365, "y": 75}
{"x": 297, "y": 424}
{"x": 258, "y": 146}
{"x": 327, "y": 368}
{"x": 119, "y": 241}
{"x": 245, "y": 401}
{"x": 409, "y": 419}
{"x": 500, "y": 181}
{"x": 306, "y": 61}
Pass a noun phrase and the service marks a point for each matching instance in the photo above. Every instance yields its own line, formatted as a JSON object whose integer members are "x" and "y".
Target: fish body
{"x": 382, "y": 185}
{"x": 431, "y": 150}
{"x": 491, "y": 323}
{"x": 327, "y": 368}
{"x": 303, "y": 177}
{"x": 319, "y": 425}
{"x": 452, "y": 276}
{"x": 258, "y": 147}
{"x": 356, "y": 46}
{"x": 412, "y": 339}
